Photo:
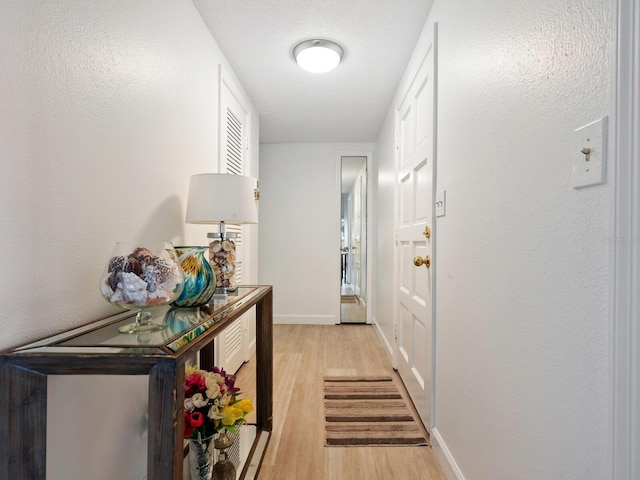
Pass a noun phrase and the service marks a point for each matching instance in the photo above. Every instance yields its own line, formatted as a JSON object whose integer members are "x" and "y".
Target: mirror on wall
{"x": 353, "y": 240}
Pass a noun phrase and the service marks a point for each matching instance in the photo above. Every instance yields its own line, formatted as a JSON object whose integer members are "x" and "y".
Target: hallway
{"x": 302, "y": 356}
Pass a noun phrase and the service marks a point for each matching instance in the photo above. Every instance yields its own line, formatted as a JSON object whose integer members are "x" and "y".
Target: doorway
{"x": 353, "y": 239}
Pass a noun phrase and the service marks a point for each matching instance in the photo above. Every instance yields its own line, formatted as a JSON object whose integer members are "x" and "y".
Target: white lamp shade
{"x": 221, "y": 197}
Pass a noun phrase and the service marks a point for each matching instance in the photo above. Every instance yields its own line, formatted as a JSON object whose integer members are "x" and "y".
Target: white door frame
{"x": 369, "y": 257}
{"x": 624, "y": 418}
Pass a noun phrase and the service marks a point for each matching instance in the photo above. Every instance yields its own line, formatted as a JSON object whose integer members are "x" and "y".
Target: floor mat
{"x": 367, "y": 411}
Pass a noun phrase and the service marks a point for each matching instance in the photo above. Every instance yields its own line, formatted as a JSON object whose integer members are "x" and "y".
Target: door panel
{"x": 424, "y": 110}
{"x": 423, "y": 205}
{"x": 406, "y": 336}
{"x": 406, "y": 133}
{"x": 406, "y": 201}
{"x": 406, "y": 272}
{"x": 422, "y": 356}
{"x": 415, "y": 126}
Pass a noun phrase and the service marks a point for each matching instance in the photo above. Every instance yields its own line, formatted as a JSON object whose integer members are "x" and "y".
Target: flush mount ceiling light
{"x": 318, "y": 56}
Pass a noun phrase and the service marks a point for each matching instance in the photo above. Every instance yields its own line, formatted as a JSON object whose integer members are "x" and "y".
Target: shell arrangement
{"x": 222, "y": 256}
{"x": 141, "y": 279}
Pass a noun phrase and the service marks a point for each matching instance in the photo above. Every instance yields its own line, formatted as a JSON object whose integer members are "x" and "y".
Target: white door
{"x": 232, "y": 347}
{"x": 415, "y": 126}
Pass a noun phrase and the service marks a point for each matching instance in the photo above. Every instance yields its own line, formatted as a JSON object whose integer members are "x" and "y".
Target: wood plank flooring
{"x": 303, "y": 355}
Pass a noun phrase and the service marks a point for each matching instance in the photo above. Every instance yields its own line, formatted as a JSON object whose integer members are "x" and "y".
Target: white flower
{"x": 198, "y": 400}
{"x": 214, "y": 377}
{"x": 188, "y": 405}
{"x": 214, "y": 413}
{"x": 213, "y": 390}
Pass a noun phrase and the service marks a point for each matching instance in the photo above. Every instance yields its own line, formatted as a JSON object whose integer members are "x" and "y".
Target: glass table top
{"x": 183, "y": 325}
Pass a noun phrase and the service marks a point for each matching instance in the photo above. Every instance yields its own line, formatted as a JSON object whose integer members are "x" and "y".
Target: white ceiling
{"x": 347, "y": 104}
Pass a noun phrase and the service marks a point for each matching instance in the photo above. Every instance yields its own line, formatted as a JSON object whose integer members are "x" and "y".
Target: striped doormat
{"x": 348, "y": 299}
{"x": 368, "y": 411}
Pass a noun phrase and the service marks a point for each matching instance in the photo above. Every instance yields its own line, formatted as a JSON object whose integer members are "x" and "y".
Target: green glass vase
{"x": 199, "y": 280}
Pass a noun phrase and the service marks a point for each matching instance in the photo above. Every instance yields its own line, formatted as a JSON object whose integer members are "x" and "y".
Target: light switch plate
{"x": 589, "y": 154}
{"x": 441, "y": 203}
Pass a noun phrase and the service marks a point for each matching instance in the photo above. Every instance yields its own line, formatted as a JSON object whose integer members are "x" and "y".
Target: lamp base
{"x": 222, "y": 256}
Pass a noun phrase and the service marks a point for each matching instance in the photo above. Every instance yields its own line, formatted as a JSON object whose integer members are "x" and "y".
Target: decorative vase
{"x": 224, "y": 469}
{"x": 201, "y": 458}
{"x": 222, "y": 255}
{"x": 199, "y": 281}
{"x": 141, "y": 277}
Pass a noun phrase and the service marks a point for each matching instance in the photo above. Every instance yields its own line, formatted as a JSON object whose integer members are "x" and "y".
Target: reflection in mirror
{"x": 353, "y": 240}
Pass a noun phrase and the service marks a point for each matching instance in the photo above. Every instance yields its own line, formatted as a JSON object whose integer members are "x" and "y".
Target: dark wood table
{"x": 98, "y": 349}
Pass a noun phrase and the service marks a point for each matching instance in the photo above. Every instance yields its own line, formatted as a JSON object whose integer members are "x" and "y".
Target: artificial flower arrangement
{"x": 211, "y": 403}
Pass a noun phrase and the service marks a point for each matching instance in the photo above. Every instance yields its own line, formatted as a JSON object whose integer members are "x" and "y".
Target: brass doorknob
{"x": 419, "y": 261}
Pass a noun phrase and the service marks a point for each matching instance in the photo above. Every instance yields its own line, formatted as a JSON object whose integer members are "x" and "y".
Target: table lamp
{"x": 222, "y": 198}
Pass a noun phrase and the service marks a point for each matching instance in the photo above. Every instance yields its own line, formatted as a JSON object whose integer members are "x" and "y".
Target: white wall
{"x": 107, "y": 109}
{"x": 383, "y": 243}
{"x": 299, "y": 252}
{"x": 522, "y": 277}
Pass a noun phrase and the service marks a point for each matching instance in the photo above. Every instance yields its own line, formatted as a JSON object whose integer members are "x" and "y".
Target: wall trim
{"x": 305, "y": 319}
{"x": 624, "y": 398}
{"x": 447, "y": 462}
{"x": 383, "y": 338}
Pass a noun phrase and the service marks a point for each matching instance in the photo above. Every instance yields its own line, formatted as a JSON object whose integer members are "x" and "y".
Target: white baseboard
{"x": 382, "y": 337}
{"x": 446, "y": 460}
{"x": 305, "y": 319}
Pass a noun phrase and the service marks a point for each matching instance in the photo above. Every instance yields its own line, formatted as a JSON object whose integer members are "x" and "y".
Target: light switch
{"x": 589, "y": 154}
{"x": 441, "y": 203}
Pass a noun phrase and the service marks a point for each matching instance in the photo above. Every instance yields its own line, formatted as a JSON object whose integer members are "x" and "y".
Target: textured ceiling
{"x": 347, "y": 104}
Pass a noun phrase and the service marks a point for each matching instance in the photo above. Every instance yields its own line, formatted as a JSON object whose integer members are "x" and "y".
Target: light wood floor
{"x": 303, "y": 354}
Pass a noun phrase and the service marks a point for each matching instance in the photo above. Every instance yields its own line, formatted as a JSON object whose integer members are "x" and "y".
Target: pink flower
{"x": 194, "y": 383}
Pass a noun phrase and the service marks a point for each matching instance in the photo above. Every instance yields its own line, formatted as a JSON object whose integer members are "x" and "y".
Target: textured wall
{"x": 522, "y": 282}
{"x": 106, "y": 109}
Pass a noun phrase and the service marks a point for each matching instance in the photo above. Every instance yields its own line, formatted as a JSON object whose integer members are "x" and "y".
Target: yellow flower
{"x": 245, "y": 405}
{"x": 189, "y": 369}
{"x": 231, "y": 414}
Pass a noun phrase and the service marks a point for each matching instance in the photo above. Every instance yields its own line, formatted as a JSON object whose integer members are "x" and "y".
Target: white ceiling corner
{"x": 347, "y": 104}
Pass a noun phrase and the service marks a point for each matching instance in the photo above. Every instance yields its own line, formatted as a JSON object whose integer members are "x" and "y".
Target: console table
{"x": 98, "y": 348}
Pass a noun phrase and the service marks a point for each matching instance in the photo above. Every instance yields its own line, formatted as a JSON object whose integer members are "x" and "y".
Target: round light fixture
{"x": 318, "y": 56}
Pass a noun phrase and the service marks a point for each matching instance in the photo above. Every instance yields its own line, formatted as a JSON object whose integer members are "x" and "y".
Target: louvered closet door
{"x": 233, "y": 347}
